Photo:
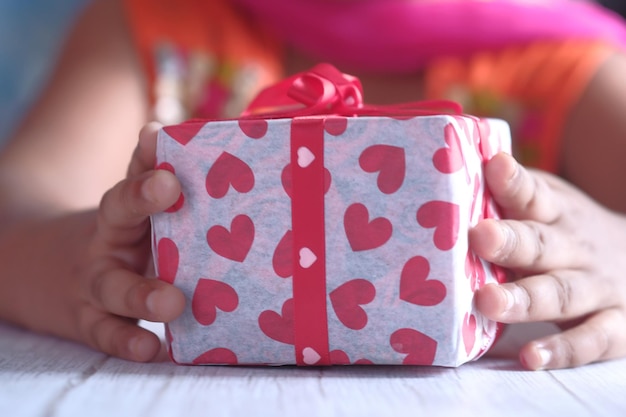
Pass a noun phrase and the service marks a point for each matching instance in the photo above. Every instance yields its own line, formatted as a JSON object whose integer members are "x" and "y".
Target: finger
{"x": 127, "y": 294}
{"x": 144, "y": 155}
{"x": 118, "y": 337}
{"x": 527, "y": 245}
{"x": 602, "y": 336}
{"x": 519, "y": 193}
{"x": 561, "y": 295}
{"x": 124, "y": 209}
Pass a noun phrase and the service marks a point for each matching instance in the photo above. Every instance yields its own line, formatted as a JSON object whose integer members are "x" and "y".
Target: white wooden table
{"x": 48, "y": 377}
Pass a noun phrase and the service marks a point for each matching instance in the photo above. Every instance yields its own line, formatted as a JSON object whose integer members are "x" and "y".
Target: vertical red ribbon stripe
{"x": 309, "y": 246}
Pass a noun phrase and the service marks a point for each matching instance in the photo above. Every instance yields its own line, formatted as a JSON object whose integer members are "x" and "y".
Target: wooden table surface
{"x": 48, "y": 377}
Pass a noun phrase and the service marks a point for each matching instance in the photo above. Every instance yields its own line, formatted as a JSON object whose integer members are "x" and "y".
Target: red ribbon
{"x": 324, "y": 90}
{"x": 321, "y": 91}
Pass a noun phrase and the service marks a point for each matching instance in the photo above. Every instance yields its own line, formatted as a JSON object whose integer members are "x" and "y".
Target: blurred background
{"x": 31, "y": 35}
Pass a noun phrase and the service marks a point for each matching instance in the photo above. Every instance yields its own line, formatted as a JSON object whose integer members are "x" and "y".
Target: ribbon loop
{"x": 324, "y": 90}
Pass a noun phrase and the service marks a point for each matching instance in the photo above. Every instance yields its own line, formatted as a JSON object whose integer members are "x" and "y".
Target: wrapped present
{"x": 319, "y": 230}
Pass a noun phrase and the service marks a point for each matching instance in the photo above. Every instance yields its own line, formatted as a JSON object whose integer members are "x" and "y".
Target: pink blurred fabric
{"x": 404, "y": 35}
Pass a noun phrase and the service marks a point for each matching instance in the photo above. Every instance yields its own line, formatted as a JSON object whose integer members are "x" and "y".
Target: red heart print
{"x": 347, "y": 300}
{"x": 233, "y": 244}
{"x": 167, "y": 262}
{"x": 253, "y": 128}
{"x": 490, "y": 210}
{"x": 335, "y": 125}
{"x": 444, "y": 217}
{"x": 363, "y": 234}
{"x": 184, "y": 132}
{"x": 469, "y": 332}
{"x": 181, "y": 198}
{"x": 475, "y": 198}
{"x": 209, "y": 296}
{"x": 485, "y": 150}
{"x": 282, "y": 261}
{"x": 286, "y": 178}
{"x": 415, "y": 288}
{"x": 449, "y": 159}
{"x": 217, "y": 356}
{"x": 419, "y": 348}
{"x": 467, "y": 124}
{"x": 389, "y": 162}
{"x": 499, "y": 273}
{"x": 279, "y": 327}
{"x": 228, "y": 170}
{"x": 339, "y": 357}
{"x": 475, "y": 271}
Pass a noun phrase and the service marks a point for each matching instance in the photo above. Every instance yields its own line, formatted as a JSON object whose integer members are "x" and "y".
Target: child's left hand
{"x": 567, "y": 254}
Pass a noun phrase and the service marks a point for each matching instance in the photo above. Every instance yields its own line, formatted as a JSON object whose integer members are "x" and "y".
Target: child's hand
{"x": 87, "y": 275}
{"x": 568, "y": 255}
{"x": 119, "y": 256}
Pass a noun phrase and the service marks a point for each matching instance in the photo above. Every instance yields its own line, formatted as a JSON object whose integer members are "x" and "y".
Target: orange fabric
{"x": 212, "y": 27}
{"x": 532, "y": 87}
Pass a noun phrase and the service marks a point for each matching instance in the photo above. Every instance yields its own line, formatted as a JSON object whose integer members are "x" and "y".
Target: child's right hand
{"x": 86, "y": 276}
{"x": 568, "y": 255}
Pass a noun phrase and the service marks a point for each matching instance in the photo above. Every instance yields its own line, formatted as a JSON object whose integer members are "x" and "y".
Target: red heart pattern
{"x": 167, "y": 260}
{"x": 419, "y": 348}
{"x": 181, "y": 198}
{"x": 218, "y": 356}
{"x": 282, "y": 261}
{"x": 415, "y": 288}
{"x": 279, "y": 327}
{"x": 469, "y": 332}
{"x": 233, "y": 244}
{"x": 449, "y": 159}
{"x": 445, "y": 218}
{"x": 183, "y": 133}
{"x": 362, "y": 233}
{"x": 335, "y": 125}
{"x": 475, "y": 271}
{"x": 253, "y": 128}
{"x": 286, "y": 178}
{"x": 213, "y": 299}
{"x": 209, "y": 296}
{"x": 228, "y": 170}
{"x": 389, "y": 162}
{"x": 339, "y": 357}
{"x": 347, "y": 300}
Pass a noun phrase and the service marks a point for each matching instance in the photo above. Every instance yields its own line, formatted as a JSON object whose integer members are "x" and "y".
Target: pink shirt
{"x": 404, "y": 35}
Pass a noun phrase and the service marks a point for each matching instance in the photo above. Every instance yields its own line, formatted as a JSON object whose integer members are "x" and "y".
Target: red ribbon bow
{"x": 326, "y": 90}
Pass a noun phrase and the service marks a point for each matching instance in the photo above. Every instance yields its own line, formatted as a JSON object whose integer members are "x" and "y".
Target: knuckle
{"x": 88, "y": 327}
{"x": 525, "y": 296}
{"x": 602, "y": 340}
{"x": 97, "y": 287}
{"x": 607, "y": 332}
{"x": 567, "y": 353}
{"x": 134, "y": 298}
{"x": 536, "y": 185}
{"x": 539, "y": 243}
{"x": 564, "y": 294}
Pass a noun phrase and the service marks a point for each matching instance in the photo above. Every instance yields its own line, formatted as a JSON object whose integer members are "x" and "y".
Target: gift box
{"x": 318, "y": 230}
